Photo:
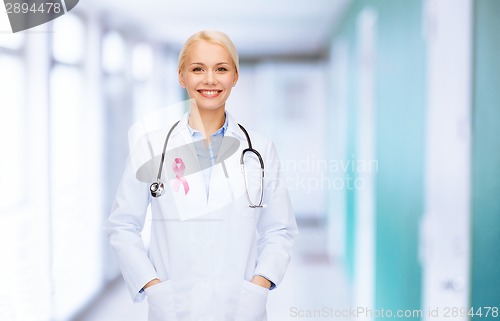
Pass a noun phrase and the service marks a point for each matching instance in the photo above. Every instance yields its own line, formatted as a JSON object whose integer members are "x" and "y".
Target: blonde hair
{"x": 212, "y": 36}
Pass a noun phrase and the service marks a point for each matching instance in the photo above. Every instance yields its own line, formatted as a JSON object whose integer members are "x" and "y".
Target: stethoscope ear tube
{"x": 251, "y": 150}
{"x": 242, "y": 164}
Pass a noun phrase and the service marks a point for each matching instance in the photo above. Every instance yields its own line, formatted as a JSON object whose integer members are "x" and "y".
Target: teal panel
{"x": 485, "y": 277}
{"x": 400, "y": 109}
{"x": 347, "y": 32}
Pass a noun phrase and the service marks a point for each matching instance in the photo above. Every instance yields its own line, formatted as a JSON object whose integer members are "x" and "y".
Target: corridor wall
{"x": 485, "y": 278}
{"x": 399, "y": 100}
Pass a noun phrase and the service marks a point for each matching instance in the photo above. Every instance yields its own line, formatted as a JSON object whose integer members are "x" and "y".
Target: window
{"x": 12, "y": 139}
{"x": 142, "y": 62}
{"x": 114, "y": 53}
{"x": 69, "y": 39}
{"x": 76, "y": 212}
{"x": 12, "y": 41}
{"x": 23, "y": 236}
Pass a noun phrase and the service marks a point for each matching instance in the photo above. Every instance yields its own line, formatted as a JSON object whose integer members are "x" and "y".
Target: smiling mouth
{"x": 209, "y": 93}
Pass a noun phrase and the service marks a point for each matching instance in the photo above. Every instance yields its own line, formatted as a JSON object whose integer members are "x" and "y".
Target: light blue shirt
{"x": 207, "y": 155}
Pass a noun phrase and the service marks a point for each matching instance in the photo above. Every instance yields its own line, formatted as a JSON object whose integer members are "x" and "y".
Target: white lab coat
{"x": 205, "y": 263}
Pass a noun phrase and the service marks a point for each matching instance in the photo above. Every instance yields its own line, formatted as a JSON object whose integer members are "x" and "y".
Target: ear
{"x": 235, "y": 80}
{"x": 181, "y": 79}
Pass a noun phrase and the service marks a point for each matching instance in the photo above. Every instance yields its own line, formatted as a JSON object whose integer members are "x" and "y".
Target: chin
{"x": 210, "y": 106}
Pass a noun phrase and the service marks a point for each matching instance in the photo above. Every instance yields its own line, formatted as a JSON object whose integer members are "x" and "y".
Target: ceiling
{"x": 259, "y": 28}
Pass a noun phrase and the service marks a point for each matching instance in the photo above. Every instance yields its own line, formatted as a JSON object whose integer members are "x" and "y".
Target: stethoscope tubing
{"x": 158, "y": 177}
{"x": 157, "y": 187}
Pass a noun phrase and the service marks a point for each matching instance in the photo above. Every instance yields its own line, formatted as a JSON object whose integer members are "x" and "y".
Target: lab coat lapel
{"x": 224, "y": 189}
{"x": 229, "y": 145}
{"x": 188, "y": 190}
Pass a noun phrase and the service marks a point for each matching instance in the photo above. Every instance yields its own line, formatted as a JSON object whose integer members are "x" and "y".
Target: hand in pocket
{"x": 161, "y": 303}
{"x": 252, "y": 303}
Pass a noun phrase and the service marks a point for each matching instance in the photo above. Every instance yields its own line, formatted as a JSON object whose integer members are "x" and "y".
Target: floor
{"x": 313, "y": 289}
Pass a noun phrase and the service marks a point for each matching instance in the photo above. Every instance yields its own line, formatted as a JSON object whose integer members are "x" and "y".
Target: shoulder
{"x": 258, "y": 139}
{"x": 145, "y": 151}
{"x": 240, "y": 128}
{"x": 261, "y": 143}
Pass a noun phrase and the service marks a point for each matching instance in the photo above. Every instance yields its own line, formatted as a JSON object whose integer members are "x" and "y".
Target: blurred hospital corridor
{"x": 385, "y": 115}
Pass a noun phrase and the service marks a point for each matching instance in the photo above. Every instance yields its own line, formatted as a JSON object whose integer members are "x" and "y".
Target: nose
{"x": 210, "y": 78}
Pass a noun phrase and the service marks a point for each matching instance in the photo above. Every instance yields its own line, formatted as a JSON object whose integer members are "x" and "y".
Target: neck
{"x": 206, "y": 121}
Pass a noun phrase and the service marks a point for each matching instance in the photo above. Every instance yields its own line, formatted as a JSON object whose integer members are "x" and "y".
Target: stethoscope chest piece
{"x": 157, "y": 189}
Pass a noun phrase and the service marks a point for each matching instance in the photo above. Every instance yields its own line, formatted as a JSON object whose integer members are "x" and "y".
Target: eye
{"x": 221, "y": 69}
{"x": 197, "y": 69}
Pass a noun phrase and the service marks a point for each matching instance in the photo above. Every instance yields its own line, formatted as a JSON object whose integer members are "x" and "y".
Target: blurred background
{"x": 386, "y": 115}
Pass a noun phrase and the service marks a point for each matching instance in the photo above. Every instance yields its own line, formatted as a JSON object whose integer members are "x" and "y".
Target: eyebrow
{"x": 217, "y": 64}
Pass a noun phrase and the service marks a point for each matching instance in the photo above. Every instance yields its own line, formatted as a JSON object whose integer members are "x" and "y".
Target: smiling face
{"x": 208, "y": 75}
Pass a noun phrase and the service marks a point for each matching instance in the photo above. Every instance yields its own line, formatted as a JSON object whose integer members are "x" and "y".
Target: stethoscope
{"x": 157, "y": 188}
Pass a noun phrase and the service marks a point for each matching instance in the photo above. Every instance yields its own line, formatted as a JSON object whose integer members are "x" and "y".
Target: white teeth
{"x": 210, "y": 92}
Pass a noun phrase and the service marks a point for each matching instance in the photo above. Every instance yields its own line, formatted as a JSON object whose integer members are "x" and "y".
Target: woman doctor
{"x": 213, "y": 254}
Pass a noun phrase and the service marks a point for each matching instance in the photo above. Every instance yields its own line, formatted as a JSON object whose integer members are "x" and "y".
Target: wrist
{"x": 151, "y": 283}
{"x": 261, "y": 281}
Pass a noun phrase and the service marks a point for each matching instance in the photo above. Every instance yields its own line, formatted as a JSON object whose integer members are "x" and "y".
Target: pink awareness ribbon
{"x": 178, "y": 168}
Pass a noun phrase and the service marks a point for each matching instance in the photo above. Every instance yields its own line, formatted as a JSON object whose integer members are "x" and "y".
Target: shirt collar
{"x": 220, "y": 132}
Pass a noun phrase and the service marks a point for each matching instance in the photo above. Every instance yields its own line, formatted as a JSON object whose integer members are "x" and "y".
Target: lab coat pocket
{"x": 161, "y": 302}
{"x": 252, "y": 303}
